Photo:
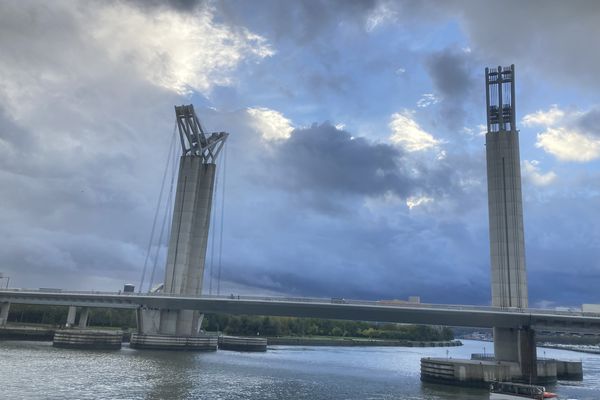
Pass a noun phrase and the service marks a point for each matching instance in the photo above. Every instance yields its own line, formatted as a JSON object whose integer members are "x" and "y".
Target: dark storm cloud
{"x": 451, "y": 73}
{"x": 547, "y": 39}
{"x": 323, "y": 165}
{"x": 323, "y": 158}
{"x": 302, "y": 21}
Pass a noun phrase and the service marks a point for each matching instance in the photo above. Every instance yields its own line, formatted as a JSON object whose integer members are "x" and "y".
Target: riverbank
{"x": 350, "y": 342}
{"x": 573, "y": 347}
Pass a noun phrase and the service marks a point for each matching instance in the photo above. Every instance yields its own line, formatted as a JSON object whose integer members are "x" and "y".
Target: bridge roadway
{"x": 380, "y": 311}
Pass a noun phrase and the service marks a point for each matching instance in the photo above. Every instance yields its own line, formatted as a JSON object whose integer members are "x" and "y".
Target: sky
{"x": 355, "y": 165}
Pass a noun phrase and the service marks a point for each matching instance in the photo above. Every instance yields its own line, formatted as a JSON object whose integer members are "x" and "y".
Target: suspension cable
{"x": 158, "y": 203}
{"x": 167, "y": 216}
{"x": 213, "y": 229}
{"x": 222, "y": 218}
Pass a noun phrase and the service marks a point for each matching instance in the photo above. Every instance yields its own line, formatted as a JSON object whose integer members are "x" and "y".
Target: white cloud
{"x": 569, "y": 145}
{"x": 531, "y": 171}
{"x": 408, "y": 134}
{"x": 482, "y": 129}
{"x": 563, "y": 135}
{"x": 416, "y": 201}
{"x": 178, "y": 51}
{"x": 427, "y": 99}
{"x": 270, "y": 123}
{"x": 379, "y": 16}
{"x": 544, "y": 118}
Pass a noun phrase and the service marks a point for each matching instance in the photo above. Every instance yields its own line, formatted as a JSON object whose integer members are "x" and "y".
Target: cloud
{"x": 450, "y": 70}
{"x": 409, "y": 135}
{"x": 531, "y": 172}
{"x": 451, "y": 74}
{"x": 569, "y": 135}
{"x": 415, "y": 201}
{"x": 325, "y": 158}
{"x": 551, "y": 35}
{"x": 427, "y": 99}
{"x": 569, "y": 145}
{"x": 205, "y": 53}
{"x": 272, "y": 124}
{"x": 544, "y": 118}
{"x": 86, "y": 116}
{"x": 105, "y": 38}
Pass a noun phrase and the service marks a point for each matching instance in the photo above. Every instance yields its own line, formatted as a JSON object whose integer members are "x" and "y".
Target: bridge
{"x": 175, "y": 315}
{"x": 358, "y": 310}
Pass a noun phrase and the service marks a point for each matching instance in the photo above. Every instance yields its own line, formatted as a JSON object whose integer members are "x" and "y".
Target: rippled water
{"x": 33, "y": 370}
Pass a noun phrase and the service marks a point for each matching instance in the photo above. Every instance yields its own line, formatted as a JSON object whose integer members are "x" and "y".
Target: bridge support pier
{"x": 506, "y": 344}
{"x": 4, "y": 309}
{"x": 83, "y": 317}
{"x": 71, "y": 316}
{"x": 528, "y": 354}
{"x": 517, "y": 345}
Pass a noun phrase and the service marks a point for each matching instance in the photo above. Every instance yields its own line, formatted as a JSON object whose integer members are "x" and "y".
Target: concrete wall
{"x": 465, "y": 372}
{"x": 569, "y": 370}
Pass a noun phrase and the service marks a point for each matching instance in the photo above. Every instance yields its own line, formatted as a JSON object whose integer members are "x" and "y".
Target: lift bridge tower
{"x": 189, "y": 235}
{"x": 507, "y": 244}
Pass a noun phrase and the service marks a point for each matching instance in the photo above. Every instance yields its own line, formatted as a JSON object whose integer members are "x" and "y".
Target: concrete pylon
{"x": 187, "y": 247}
{"x": 71, "y": 316}
{"x": 505, "y": 205}
{"x": 188, "y": 241}
{"x": 83, "y": 317}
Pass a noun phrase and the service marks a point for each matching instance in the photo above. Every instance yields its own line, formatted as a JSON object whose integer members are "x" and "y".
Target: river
{"x": 36, "y": 370}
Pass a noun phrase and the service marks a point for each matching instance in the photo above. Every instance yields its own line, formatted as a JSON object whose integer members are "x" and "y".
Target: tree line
{"x": 289, "y": 326}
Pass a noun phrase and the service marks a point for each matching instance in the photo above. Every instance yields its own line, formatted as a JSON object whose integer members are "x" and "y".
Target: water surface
{"x": 34, "y": 370}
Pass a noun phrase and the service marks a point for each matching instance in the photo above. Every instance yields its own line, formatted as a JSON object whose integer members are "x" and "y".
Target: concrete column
{"x": 71, "y": 316}
{"x": 83, "y": 317}
{"x": 148, "y": 321}
{"x": 4, "y": 309}
{"x": 528, "y": 354}
{"x": 187, "y": 247}
{"x": 507, "y": 243}
{"x": 506, "y": 344}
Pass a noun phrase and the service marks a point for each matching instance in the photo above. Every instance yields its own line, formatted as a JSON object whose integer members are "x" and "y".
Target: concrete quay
{"x": 169, "y": 342}
{"x": 352, "y": 342}
{"x": 481, "y": 371}
{"x": 566, "y": 370}
{"x": 88, "y": 339}
{"x": 238, "y": 343}
{"x": 25, "y": 332}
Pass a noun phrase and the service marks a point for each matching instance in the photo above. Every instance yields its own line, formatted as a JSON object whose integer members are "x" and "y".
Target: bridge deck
{"x": 426, "y": 314}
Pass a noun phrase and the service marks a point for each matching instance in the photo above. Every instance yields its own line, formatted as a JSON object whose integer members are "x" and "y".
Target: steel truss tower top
{"x": 193, "y": 139}
{"x": 500, "y": 99}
